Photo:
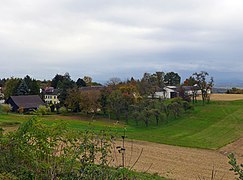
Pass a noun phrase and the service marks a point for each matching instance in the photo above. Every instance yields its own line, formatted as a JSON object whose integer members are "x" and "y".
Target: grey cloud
{"x": 119, "y": 38}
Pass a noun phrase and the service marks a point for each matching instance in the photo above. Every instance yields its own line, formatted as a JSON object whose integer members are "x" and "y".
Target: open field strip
{"x": 217, "y": 128}
{"x": 209, "y": 127}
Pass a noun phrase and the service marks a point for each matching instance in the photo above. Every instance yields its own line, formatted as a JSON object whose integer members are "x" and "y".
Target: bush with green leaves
{"x": 7, "y": 176}
{"x": 6, "y": 108}
{"x": 40, "y": 151}
{"x": 63, "y": 110}
{"x": 236, "y": 168}
{"x": 42, "y": 110}
{"x": 187, "y": 106}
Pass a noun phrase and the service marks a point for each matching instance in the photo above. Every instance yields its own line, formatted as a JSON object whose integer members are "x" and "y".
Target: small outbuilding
{"x": 28, "y": 103}
{"x": 168, "y": 92}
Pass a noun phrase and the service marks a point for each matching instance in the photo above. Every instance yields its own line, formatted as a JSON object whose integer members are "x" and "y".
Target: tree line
{"x": 134, "y": 100}
{"x": 121, "y": 100}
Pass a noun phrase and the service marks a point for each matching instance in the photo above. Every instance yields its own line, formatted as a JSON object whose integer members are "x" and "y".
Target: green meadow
{"x": 210, "y": 126}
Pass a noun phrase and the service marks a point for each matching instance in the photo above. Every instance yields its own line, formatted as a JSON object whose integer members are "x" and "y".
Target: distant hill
{"x": 229, "y": 83}
{"x": 220, "y": 90}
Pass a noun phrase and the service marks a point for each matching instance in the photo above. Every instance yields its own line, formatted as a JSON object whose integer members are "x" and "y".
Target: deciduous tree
{"x": 172, "y": 79}
{"x": 116, "y": 103}
{"x": 11, "y": 86}
{"x": 149, "y": 84}
{"x": 91, "y": 100}
{"x": 73, "y": 100}
{"x": 204, "y": 85}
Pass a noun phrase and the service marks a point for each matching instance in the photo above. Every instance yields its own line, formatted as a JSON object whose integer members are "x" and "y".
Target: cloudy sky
{"x": 121, "y": 38}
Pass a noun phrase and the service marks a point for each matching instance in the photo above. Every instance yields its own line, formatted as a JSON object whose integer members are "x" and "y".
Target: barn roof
{"x": 30, "y": 101}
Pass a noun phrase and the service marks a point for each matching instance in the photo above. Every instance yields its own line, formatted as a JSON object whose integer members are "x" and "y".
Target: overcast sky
{"x": 121, "y": 38}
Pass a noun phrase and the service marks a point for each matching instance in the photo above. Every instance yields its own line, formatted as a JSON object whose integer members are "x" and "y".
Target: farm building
{"x": 28, "y": 103}
{"x": 167, "y": 93}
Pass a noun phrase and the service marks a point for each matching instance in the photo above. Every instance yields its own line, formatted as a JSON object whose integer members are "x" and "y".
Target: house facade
{"x": 50, "y": 95}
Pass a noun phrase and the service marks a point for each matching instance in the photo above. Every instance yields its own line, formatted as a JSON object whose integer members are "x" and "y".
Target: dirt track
{"x": 180, "y": 162}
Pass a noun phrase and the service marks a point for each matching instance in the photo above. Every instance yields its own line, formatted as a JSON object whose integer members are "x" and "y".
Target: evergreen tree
{"x": 33, "y": 85}
{"x": 81, "y": 83}
{"x": 22, "y": 89}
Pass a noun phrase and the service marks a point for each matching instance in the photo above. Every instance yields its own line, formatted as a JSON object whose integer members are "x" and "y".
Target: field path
{"x": 180, "y": 162}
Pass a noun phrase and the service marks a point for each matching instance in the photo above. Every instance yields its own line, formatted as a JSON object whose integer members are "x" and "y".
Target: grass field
{"x": 73, "y": 122}
{"x": 211, "y": 126}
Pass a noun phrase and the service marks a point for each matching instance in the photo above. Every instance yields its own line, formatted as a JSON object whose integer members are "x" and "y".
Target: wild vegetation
{"x": 39, "y": 151}
{"x": 236, "y": 168}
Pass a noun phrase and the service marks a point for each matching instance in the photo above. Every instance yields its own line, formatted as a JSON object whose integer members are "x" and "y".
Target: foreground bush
{"x": 39, "y": 151}
{"x": 236, "y": 168}
{"x": 5, "y": 108}
{"x": 42, "y": 110}
{"x": 7, "y": 176}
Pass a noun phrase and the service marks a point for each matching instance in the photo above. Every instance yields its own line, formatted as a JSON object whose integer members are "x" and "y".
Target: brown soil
{"x": 180, "y": 162}
{"x": 235, "y": 147}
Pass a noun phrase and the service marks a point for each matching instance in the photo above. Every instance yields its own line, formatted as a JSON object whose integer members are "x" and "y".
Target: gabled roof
{"x": 31, "y": 101}
{"x": 53, "y": 92}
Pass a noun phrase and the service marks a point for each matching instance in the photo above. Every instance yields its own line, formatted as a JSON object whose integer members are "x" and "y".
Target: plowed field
{"x": 179, "y": 162}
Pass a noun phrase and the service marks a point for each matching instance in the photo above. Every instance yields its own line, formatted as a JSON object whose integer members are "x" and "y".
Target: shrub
{"x": 42, "y": 110}
{"x": 7, "y": 176}
{"x": 63, "y": 110}
{"x": 6, "y": 108}
{"x": 187, "y": 106}
{"x": 238, "y": 169}
{"x": 39, "y": 151}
